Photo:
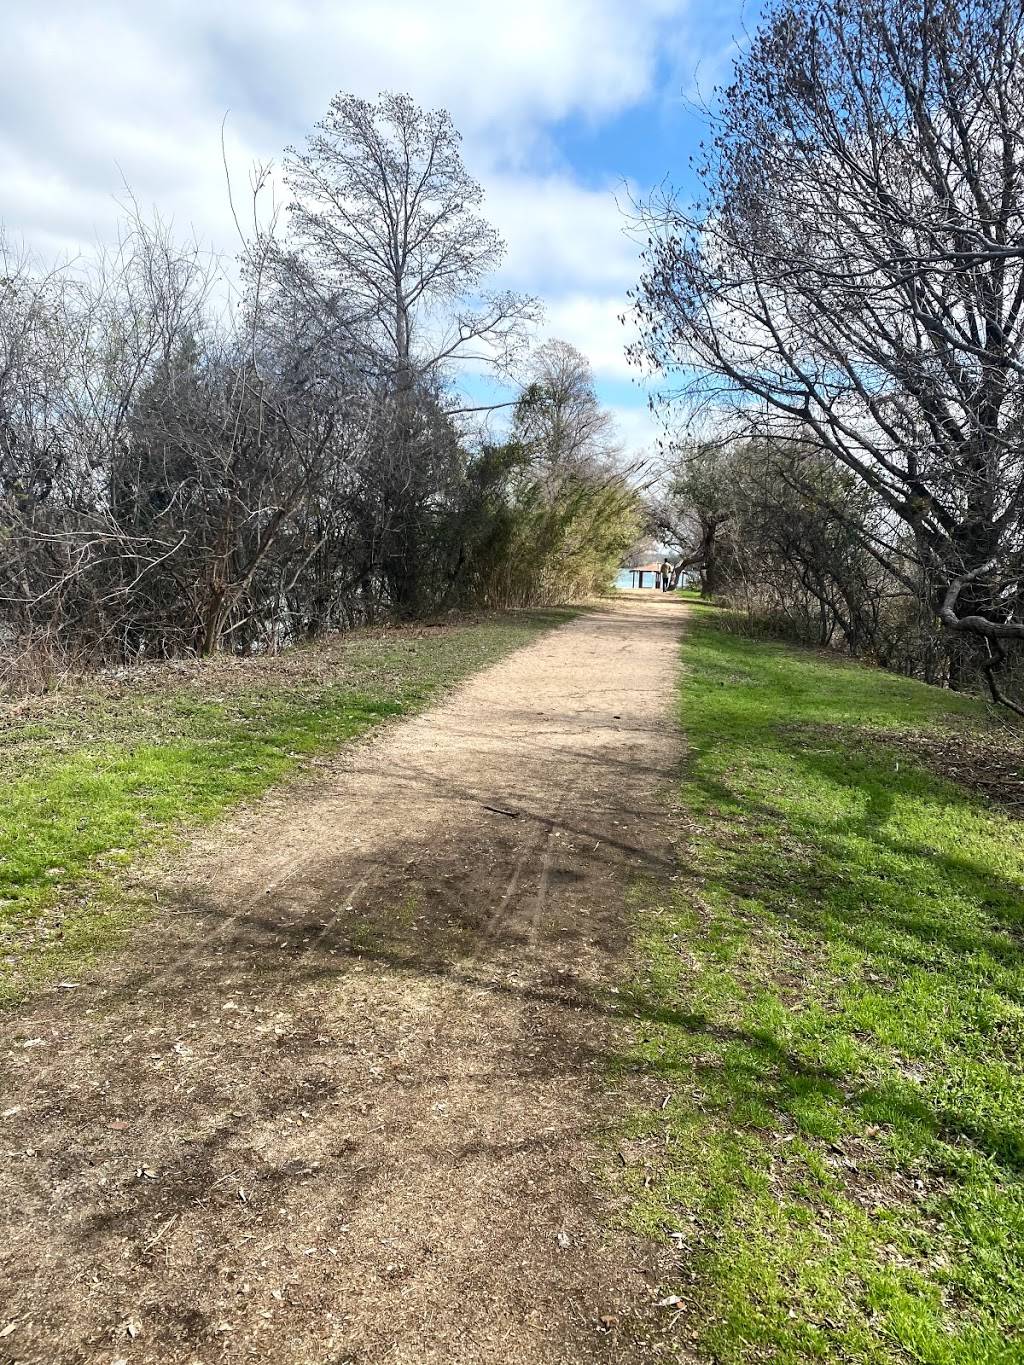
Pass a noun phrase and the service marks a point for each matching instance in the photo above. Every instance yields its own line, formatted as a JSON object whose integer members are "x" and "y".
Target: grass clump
{"x": 832, "y": 993}
{"x": 91, "y": 777}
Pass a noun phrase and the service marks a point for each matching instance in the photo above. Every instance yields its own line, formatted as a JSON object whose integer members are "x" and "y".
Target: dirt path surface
{"x": 336, "y": 1101}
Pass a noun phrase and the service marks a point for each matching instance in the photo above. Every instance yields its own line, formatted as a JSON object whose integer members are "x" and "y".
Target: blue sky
{"x": 560, "y": 102}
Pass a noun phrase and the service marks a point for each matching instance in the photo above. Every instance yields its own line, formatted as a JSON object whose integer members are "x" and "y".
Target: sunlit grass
{"x": 833, "y": 995}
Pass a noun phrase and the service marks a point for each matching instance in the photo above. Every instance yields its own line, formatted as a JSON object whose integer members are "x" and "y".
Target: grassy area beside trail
{"x": 93, "y": 775}
{"x": 830, "y": 1005}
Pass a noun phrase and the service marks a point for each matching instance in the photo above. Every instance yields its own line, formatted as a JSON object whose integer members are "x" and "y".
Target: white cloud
{"x": 94, "y": 91}
{"x": 561, "y": 234}
{"x": 112, "y": 93}
{"x": 639, "y": 429}
{"x": 591, "y": 322}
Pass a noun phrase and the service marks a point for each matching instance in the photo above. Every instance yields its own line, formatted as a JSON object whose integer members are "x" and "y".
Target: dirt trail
{"x": 336, "y": 1101}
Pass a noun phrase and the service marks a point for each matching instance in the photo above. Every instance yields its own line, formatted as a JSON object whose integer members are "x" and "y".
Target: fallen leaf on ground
{"x": 608, "y": 1321}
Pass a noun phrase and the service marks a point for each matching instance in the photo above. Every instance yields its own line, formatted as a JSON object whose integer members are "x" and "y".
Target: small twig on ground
{"x": 160, "y": 1232}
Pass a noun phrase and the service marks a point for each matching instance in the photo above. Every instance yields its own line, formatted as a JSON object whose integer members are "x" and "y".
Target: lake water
{"x": 622, "y": 580}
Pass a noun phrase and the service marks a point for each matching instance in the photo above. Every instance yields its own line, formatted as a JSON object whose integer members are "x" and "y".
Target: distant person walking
{"x": 666, "y": 576}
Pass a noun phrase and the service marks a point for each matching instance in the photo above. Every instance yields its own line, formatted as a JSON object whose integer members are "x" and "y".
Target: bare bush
{"x": 177, "y": 476}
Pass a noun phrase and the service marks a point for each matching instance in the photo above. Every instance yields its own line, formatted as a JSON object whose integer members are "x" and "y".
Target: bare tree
{"x": 854, "y": 278}
{"x": 690, "y": 508}
{"x": 559, "y": 414}
{"x": 385, "y": 260}
{"x": 387, "y": 244}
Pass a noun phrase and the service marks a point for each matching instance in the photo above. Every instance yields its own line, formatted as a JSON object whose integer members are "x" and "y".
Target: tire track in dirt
{"x": 362, "y": 1051}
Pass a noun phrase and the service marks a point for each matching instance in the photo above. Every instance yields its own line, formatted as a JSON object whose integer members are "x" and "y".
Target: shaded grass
{"x": 833, "y": 994}
{"x": 93, "y": 777}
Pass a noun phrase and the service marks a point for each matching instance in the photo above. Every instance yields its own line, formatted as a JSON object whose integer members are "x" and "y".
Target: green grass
{"x": 832, "y": 993}
{"x": 92, "y": 777}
